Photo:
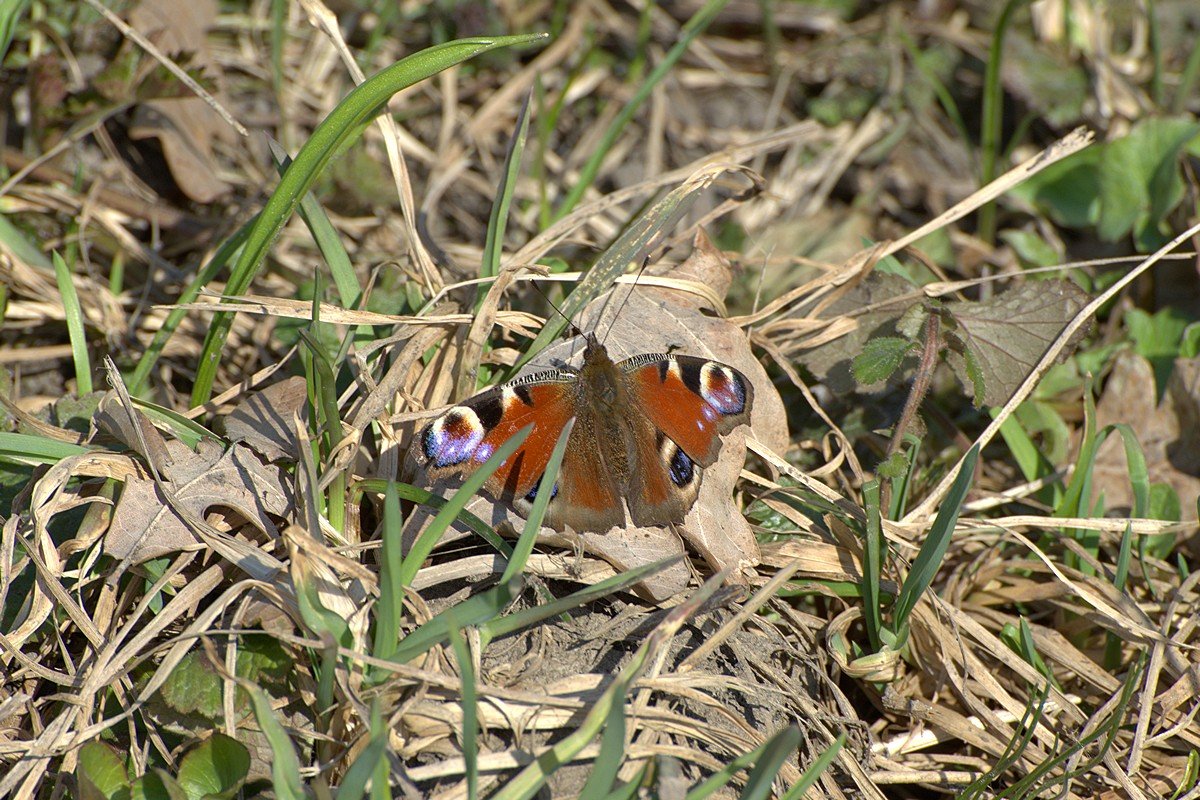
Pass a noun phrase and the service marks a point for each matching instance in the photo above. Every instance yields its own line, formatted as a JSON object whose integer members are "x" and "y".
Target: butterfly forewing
{"x": 694, "y": 401}
{"x": 463, "y": 437}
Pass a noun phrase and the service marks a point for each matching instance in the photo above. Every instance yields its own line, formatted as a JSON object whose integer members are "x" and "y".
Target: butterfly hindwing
{"x": 586, "y": 496}
{"x": 694, "y": 401}
{"x": 668, "y": 479}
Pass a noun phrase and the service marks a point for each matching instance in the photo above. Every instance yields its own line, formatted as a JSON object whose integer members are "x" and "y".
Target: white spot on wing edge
{"x": 443, "y": 447}
{"x": 719, "y": 386}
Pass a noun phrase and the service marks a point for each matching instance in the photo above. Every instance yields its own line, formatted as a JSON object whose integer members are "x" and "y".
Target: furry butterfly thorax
{"x": 645, "y": 427}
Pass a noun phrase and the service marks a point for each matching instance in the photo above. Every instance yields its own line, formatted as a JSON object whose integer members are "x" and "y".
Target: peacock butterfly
{"x": 645, "y": 427}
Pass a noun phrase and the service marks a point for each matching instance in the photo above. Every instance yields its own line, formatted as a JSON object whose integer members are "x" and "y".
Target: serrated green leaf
{"x": 879, "y": 359}
{"x": 1007, "y": 334}
{"x": 193, "y": 687}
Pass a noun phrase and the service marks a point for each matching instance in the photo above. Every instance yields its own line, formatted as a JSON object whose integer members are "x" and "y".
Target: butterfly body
{"x": 644, "y": 429}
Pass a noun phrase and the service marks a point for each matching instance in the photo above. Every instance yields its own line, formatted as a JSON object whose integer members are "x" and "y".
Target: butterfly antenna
{"x": 628, "y": 295}
{"x": 557, "y": 310}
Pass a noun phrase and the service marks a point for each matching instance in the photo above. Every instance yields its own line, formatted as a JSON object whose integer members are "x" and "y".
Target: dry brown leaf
{"x": 1168, "y": 431}
{"x": 146, "y": 526}
{"x": 264, "y": 419}
{"x": 144, "y": 439}
{"x": 185, "y": 127}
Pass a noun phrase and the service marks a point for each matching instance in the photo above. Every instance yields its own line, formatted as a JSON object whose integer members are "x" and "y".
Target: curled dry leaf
{"x": 145, "y": 524}
{"x": 648, "y": 319}
{"x": 186, "y": 127}
{"x": 134, "y": 430}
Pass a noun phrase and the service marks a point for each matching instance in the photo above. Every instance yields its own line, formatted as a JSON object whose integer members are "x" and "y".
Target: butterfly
{"x": 645, "y": 427}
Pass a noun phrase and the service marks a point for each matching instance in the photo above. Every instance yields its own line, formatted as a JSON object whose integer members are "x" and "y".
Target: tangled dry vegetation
{"x": 1034, "y": 636}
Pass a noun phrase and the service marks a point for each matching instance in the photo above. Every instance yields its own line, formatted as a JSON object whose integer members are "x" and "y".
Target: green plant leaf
{"x": 933, "y": 549}
{"x": 215, "y": 769}
{"x": 1139, "y": 175}
{"x": 1007, "y": 335}
{"x": 360, "y": 105}
{"x": 1157, "y": 338}
{"x": 103, "y": 770}
{"x": 879, "y": 359}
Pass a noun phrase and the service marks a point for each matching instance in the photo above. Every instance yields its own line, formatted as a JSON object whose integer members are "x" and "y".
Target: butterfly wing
{"x": 693, "y": 400}
{"x": 463, "y": 437}
{"x": 688, "y": 404}
{"x": 587, "y": 497}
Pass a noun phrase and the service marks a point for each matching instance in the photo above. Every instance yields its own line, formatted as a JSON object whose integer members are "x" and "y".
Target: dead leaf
{"x": 213, "y": 477}
{"x": 1169, "y": 431}
{"x": 830, "y": 361}
{"x": 177, "y": 26}
{"x": 186, "y": 127}
{"x": 1007, "y": 334}
{"x": 144, "y": 439}
{"x": 264, "y": 419}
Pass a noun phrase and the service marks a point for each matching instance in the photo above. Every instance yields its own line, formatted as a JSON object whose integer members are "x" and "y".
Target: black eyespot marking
{"x": 682, "y": 470}
{"x": 523, "y": 394}
{"x": 489, "y": 407}
{"x": 529, "y": 498}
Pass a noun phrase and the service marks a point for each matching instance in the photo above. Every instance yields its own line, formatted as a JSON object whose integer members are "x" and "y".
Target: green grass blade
{"x": 285, "y": 764}
{"x": 520, "y": 554}
{"x": 27, "y": 448}
{"x": 587, "y": 174}
{"x": 391, "y": 590}
{"x": 326, "y": 237}
{"x": 778, "y": 750}
{"x": 531, "y": 779}
{"x": 11, "y": 12}
{"x": 427, "y": 498}
{"x": 815, "y": 769}
{"x": 141, "y": 373}
{"x": 528, "y": 616}
{"x": 993, "y": 110}
{"x": 476, "y": 610}
{"x": 366, "y": 765}
{"x": 18, "y": 244}
{"x": 362, "y": 103}
{"x": 75, "y": 331}
{"x": 1135, "y": 464}
{"x": 493, "y": 244}
{"x": 933, "y": 550}
{"x": 185, "y": 430}
{"x": 873, "y": 549}
{"x": 429, "y": 537}
{"x": 470, "y": 716}
{"x": 612, "y": 750}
